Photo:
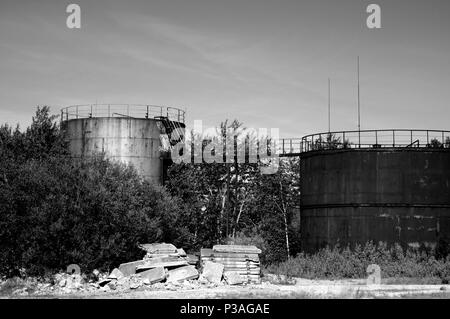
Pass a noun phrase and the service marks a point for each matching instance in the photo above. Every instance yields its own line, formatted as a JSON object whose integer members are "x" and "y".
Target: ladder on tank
{"x": 174, "y": 130}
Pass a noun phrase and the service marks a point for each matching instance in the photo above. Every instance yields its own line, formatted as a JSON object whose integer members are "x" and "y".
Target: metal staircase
{"x": 173, "y": 130}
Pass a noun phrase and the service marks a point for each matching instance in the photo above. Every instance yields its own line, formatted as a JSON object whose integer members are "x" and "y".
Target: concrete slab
{"x": 212, "y": 271}
{"x": 153, "y": 275}
{"x": 237, "y": 249}
{"x": 161, "y": 259}
{"x": 159, "y": 248}
{"x": 115, "y": 274}
{"x": 129, "y": 269}
{"x": 233, "y": 278}
{"x": 209, "y": 253}
{"x": 182, "y": 273}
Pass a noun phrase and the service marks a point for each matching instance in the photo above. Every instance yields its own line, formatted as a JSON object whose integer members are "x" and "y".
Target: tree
{"x": 225, "y": 199}
{"x": 42, "y": 139}
{"x": 276, "y": 194}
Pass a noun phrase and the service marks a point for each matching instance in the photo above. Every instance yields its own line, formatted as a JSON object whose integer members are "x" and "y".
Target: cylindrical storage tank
{"x": 132, "y": 137}
{"x": 394, "y": 194}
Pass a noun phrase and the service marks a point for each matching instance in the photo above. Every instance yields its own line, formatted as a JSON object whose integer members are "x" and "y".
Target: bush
{"x": 338, "y": 263}
{"x": 56, "y": 210}
{"x": 89, "y": 212}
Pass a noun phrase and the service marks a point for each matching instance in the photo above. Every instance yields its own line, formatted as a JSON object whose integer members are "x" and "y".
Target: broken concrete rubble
{"x": 115, "y": 274}
{"x": 74, "y": 281}
{"x": 192, "y": 259}
{"x": 135, "y": 282}
{"x": 62, "y": 283}
{"x": 104, "y": 282}
{"x": 166, "y": 268}
{"x": 112, "y": 285}
{"x": 123, "y": 281}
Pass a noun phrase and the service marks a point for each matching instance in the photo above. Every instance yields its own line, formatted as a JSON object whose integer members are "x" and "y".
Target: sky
{"x": 265, "y": 63}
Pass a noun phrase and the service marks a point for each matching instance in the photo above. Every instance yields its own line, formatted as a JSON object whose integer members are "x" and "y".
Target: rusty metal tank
{"x": 131, "y": 134}
{"x": 387, "y": 185}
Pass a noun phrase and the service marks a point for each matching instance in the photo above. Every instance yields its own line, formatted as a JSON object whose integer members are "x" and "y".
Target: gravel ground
{"x": 302, "y": 288}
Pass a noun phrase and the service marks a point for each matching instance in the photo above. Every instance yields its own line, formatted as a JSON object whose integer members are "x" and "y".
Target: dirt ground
{"x": 301, "y": 289}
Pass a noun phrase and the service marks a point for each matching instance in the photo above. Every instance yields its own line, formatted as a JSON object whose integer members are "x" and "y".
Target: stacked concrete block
{"x": 241, "y": 263}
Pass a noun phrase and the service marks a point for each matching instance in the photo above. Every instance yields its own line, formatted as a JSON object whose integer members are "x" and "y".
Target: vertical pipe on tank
{"x": 343, "y": 137}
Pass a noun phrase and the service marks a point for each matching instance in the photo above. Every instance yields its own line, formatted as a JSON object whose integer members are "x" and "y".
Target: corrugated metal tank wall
{"x": 353, "y": 196}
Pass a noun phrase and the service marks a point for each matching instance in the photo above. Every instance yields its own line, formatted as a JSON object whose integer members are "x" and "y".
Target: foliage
{"x": 56, "y": 210}
{"x": 340, "y": 263}
{"x": 331, "y": 142}
{"x": 42, "y": 140}
{"x": 435, "y": 143}
{"x": 225, "y": 199}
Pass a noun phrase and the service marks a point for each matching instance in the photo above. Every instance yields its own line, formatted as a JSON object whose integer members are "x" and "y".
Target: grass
{"x": 404, "y": 267}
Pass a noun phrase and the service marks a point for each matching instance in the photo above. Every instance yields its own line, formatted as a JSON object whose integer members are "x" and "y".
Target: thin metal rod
{"x": 359, "y": 101}
{"x": 329, "y": 105}
{"x": 359, "y": 106}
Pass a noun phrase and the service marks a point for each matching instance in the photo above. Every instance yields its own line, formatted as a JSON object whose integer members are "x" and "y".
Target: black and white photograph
{"x": 225, "y": 157}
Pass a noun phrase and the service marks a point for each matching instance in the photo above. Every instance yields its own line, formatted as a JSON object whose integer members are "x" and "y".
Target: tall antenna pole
{"x": 359, "y": 107}
{"x": 329, "y": 105}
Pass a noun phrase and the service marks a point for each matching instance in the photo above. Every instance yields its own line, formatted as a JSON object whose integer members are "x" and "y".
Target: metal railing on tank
{"x": 366, "y": 139}
{"x": 122, "y": 110}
